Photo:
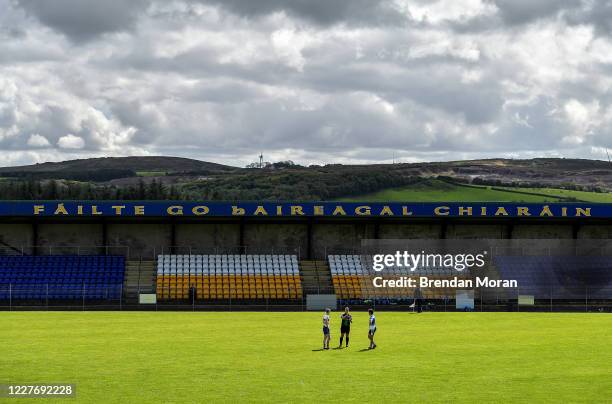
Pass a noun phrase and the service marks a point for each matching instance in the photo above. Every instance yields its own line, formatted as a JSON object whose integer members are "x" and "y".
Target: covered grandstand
{"x": 179, "y": 255}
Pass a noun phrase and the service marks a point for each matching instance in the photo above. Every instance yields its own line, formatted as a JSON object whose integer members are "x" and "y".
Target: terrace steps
{"x": 139, "y": 278}
{"x": 316, "y": 277}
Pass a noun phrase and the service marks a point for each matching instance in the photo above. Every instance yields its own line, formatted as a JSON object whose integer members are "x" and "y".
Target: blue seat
{"x": 61, "y": 277}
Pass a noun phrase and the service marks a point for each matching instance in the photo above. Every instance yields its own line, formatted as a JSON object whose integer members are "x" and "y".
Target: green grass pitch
{"x": 274, "y": 357}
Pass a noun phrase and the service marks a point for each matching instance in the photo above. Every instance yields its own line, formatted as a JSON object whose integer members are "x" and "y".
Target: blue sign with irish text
{"x": 296, "y": 209}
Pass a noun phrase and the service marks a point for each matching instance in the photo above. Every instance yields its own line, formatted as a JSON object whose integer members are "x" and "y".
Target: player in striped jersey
{"x": 326, "y": 335}
{"x": 372, "y": 328}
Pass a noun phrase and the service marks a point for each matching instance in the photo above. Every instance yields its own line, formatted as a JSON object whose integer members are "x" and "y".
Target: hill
{"x": 539, "y": 172}
{"x": 135, "y": 164}
{"x": 174, "y": 178}
{"x": 110, "y": 168}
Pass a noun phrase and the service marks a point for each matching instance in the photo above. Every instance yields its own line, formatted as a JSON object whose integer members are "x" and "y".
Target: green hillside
{"x": 601, "y": 197}
{"x": 437, "y": 191}
{"x": 156, "y": 177}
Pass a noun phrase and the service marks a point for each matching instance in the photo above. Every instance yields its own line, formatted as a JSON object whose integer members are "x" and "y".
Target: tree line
{"x": 70, "y": 190}
{"x": 255, "y": 185}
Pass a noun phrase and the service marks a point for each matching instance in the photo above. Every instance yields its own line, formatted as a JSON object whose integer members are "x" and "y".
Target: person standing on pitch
{"x": 326, "y": 335}
{"x": 345, "y": 328}
{"x": 372, "y": 328}
{"x": 418, "y": 300}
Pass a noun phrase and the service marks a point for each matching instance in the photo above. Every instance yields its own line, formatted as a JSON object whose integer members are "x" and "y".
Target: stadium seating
{"x": 352, "y": 278}
{"x": 228, "y": 277}
{"x": 61, "y": 277}
{"x": 559, "y": 277}
{"x": 349, "y": 277}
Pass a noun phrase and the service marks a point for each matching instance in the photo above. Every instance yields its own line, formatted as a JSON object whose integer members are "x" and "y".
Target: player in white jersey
{"x": 326, "y": 336}
{"x": 372, "y": 328}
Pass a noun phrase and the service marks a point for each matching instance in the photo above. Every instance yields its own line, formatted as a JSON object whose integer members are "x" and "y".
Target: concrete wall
{"x": 148, "y": 239}
{"x": 17, "y": 236}
{"x": 475, "y": 231}
{"x": 289, "y": 238}
{"x": 58, "y": 238}
{"x": 409, "y": 231}
{"x": 207, "y": 238}
{"x": 144, "y": 240}
{"x": 594, "y": 231}
{"x": 536, "y": 231}
{"x": 327, "y": 238}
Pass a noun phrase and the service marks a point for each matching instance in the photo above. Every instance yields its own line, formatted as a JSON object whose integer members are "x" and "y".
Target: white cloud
{"x": 37, "y": 140}
{"x": 71, "y": 141}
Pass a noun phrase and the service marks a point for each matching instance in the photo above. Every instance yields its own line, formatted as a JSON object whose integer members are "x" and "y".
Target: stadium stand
{"x": 61, "y": 277}
{"x": 353, "y": 281}
{"x": 214, "y": 277}
{"x": 559, "y": 277}
{"x": 349, "y": 277}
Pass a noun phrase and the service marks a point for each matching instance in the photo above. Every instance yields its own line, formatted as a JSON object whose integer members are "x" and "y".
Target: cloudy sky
{"x": 315, "y": 81}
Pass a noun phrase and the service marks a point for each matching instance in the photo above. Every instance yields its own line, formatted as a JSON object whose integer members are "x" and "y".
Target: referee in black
{"x": 345, "y": 327}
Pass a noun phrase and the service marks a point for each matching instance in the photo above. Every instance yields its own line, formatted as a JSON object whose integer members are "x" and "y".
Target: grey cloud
{"x": 233, "y": 92}
{"x": 516, "y": 12}
{"x": 51, "y": 122}
{"x": 82, "y": 20}
{"x": 533, "y": 126}
{"x": 435, "y": 87}
{"x": 434, "y": 81}
{"x": 323, "y": 12}
{"x": 12, "y": 33}
{"x": 598, "y": 14}
{"x": 513, "y": 13}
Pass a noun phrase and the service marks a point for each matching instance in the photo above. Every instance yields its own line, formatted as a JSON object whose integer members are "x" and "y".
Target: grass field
{"x": 578, "y": 195}
{"x": 438, "y": 191}
{"x": 274, "y": 357}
